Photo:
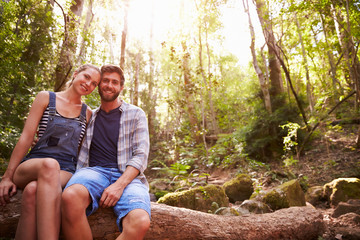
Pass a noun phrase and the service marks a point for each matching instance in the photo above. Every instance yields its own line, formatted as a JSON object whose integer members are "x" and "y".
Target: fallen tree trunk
{"x": 179, "y": 223}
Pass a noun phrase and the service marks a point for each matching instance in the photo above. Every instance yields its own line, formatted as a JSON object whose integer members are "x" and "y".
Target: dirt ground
{"x": 331, "y": 156}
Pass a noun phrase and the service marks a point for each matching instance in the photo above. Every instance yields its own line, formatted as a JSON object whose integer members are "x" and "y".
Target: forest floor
{"x": 331, "y": 156}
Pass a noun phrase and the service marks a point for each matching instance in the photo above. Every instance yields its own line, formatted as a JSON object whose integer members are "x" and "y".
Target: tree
{"x": 123, "y": 35}
{"x": 274, "y": 65}
{"x": 85, "y": 33}
{"x": 27, "y": 36}
{"x": 68, "y": 48}
{"x": 262, "y": 80}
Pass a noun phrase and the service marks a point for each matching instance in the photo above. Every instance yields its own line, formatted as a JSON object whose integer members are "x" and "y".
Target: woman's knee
{"x": 29, "y": 195}
{"x": 49, "y": 169}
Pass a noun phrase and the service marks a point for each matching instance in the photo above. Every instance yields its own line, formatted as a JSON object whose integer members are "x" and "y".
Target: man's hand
{"x": 111, "y": 195}
{"x": 7, "y": 190}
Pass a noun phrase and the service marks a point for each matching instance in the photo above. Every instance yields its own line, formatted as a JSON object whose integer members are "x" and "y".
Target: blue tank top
{"x": 61, "y": 138}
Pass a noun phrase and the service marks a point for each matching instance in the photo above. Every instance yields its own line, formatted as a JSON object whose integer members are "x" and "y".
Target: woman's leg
{"x": 26, "y": 228}
{"x": 46, "y": 171}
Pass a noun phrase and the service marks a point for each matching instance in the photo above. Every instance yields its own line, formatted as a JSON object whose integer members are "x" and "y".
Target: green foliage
{"x": 263, "y": 136}
{"x": 290, "y": 142}
{"x": 227, "y": 152}
{"x": 27, "y": 35}
{"x": 179, "y": 169}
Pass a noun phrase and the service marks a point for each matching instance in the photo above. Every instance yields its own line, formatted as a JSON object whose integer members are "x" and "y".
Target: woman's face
{"x": 86, "y": 80}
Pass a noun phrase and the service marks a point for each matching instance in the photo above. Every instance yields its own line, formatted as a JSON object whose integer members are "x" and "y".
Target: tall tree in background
{"x": 189, "y": 89}
{"x": 274, "y": 65}
{"x": 152, "y": 82}
{"x": 85, "y": 33}
{"x": 68, "y": 48}
{"x": 207, "y": 21}
{"x": 260, "y": 74}
{"x": 124, "y": 33}
{"x": 305, "y": 64}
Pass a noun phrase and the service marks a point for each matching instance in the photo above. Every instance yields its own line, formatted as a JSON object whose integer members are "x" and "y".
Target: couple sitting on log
{"x": 62, "y": 185}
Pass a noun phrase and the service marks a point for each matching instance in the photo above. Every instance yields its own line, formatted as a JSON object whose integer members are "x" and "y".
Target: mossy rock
{"x": 341, "y": 190}
{"x": 286, "y": 195}
{"x": 227, "y": 211}
{"x": 200, "y": 198}
{"x": 314, "y": 195}
{"x": 256, "y": 207}
{"x": 239, "y": 188}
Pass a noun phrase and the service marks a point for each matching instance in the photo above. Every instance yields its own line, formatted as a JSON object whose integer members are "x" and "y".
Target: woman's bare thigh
{"x": 29, "y": 171}
{"x": 64, "y": 177}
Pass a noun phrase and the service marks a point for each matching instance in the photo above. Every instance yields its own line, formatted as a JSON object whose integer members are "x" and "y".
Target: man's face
{"x": 109, "y": 87}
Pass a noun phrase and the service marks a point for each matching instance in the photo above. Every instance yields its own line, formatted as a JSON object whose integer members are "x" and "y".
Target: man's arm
{"x": 140, "y": 142}
{"x": 113, "y": 193}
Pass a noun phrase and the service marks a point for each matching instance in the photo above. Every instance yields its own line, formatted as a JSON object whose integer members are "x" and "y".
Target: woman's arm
{"x": 7, "y": 187}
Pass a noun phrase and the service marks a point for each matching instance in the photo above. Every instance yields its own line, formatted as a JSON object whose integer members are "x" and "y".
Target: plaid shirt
{"x": 133, "y": 143}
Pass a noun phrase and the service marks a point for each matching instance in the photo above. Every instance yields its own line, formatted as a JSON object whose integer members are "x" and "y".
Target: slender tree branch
{"x": 318, "y": 123}
{"x": 65, "y": 22}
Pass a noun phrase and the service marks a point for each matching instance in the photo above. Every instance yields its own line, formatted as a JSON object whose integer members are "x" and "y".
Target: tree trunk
{"x": 275, "y": 73}
{"x": 260, "y": 74}
{"x": 309, "y": 93}
{"x": 209, "y": 88}
{"x": 152, "y": 82}
{"x": 123, "y": 35}
{"x": 68, "y": 49}
{"x": 136, "y": 80}
{"x": 89, "y": 17}
{"x": 180, "y": 224}
{"x": 350, "y": 53}
{"x": 330, "y": 55}
{"x": 188, "y": 95}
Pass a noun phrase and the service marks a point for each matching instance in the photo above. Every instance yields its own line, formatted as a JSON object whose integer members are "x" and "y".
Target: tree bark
{"x": 89, "y": 17}
{"x": 275, "y": 73}
{"x": 188, "y": 95}
{"x": 152, "y": 82}
{"x": 180, "y": 224}
{"x": 68, "y": 49}
{"x": 136, "y": 80}
{"x": 262, "y": 80}
{"x": 123, "y": 35}
{"x": 309, "y": 93}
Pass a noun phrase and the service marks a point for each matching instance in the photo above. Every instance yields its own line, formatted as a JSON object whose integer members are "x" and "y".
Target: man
{"x": 110, "y": 166}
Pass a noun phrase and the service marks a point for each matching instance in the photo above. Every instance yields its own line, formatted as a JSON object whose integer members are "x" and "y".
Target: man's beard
{"x": 108, "y": 98}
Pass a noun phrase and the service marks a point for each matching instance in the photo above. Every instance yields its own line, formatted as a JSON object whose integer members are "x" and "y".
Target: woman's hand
{"x": 7, "y": 190}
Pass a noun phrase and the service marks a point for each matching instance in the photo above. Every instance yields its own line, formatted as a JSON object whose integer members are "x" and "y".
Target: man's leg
{"x": 75, "y": 200}
{"x": 133, "y": 211}
{"x": 135, "y": 225}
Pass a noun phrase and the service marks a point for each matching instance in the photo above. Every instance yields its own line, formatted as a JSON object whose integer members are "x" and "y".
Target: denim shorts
{"x": 96, "y": 179}
{"x": 66, "y": 163}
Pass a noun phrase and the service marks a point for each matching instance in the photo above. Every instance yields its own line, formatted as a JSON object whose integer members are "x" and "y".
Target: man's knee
{"x": 75, "y": 198}
{"x": 137, "y": 220}
{"x": 144, "y": 223}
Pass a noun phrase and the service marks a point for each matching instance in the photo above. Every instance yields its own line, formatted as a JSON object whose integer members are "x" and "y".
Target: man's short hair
{"x": 110, "y": 68}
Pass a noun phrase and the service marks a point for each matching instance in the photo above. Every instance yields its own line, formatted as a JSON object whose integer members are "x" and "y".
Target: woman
{"x": 61, "y": 119}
